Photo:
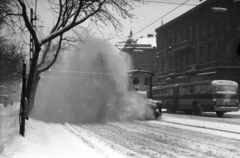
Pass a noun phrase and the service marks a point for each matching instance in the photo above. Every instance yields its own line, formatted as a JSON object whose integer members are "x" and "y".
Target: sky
{"x": 149, "y": 16}
{"x": 152, "y": 14}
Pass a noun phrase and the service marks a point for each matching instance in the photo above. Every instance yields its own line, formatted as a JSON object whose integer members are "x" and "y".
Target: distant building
{"x": 200, "y": 44}
{"x": 143, "y": 52}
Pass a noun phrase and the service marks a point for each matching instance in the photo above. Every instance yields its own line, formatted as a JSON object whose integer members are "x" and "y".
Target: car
{"x": 5, "y": 97}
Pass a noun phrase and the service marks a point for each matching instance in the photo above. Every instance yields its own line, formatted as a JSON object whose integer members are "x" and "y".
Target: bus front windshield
{"x": 225, "y": 89}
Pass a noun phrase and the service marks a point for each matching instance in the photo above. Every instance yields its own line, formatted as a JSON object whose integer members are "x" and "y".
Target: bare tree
{"x": 69, "y": 14}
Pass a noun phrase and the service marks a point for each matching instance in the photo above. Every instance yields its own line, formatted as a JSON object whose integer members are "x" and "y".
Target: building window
{"x": 211, "y": 27}
{"x": 175, "y": 37}
{"x": 202, "y": 55}
{"x": 186, "y": 59}
{"x": 210, "y": 50}
{"x": 178, "y": 36}
{"x": 146, "y": 82}
{"x": 238, "y": 49}
{"x": 194, "y": 56}
{"x": 136, "y": 81}
{"x": 194, "y": 32}
{"x": 190, "y": 33}
{"x": 163, "y": 64}
{"x": 182, "y": 61}
{"x": 170, "y": 62}
{"x": 189, "y": 58}
{"x": 203, "y": 31}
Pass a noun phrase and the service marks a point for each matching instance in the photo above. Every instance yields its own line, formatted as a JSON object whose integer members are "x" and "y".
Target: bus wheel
{"x": 197, "y": 110}
{"x": 220, "y": 113}
{"x": 189, "y": 112}
{"x": 174, "y": 110}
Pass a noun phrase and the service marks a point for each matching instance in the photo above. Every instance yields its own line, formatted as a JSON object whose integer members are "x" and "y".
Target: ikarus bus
{"x": 218, "y": 96}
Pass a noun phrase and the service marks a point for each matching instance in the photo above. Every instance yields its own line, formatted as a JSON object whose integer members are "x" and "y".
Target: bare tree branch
{"x": 55, "y": 56}
{"x": 27, "y": 23}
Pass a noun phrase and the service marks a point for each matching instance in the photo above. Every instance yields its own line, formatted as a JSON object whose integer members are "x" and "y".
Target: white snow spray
{"x": 89, "y": 85}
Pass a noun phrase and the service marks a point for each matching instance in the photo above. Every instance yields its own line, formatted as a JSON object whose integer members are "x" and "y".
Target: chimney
{"x": 150, "y": 35}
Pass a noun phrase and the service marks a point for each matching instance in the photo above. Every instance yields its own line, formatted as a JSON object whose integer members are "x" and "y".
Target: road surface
{"x": 174, "y": 135}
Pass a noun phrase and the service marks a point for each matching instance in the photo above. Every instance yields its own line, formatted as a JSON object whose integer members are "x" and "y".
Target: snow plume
{"x": 89, "y": 85}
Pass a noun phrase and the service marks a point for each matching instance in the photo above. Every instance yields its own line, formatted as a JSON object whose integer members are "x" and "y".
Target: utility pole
{"x": 31, "y": 39}
{"x": 31, "y": 51}
{"x": 22, "y": 112}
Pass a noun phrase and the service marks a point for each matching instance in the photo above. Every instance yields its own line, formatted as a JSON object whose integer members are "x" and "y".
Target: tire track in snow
{"x": 134, "y": 141}
{"x": 169, "y": 142}
{"x": 205, "y": 140}
{"x": 110, "y": 149}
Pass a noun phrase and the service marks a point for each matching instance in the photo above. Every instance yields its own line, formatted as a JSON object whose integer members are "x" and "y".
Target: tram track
{"x": 221, "y": 129}
{"x": 154, "y": 138}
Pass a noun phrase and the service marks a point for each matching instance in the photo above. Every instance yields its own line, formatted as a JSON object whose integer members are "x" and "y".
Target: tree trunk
{"x": 33, "y": 91}
{"x": 31, "y": 76}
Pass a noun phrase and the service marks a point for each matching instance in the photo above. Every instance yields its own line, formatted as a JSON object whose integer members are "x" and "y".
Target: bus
{"x": 218, "y": 96}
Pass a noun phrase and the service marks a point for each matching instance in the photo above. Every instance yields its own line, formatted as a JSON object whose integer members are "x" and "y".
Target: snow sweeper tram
{"x": 141, "y": 83}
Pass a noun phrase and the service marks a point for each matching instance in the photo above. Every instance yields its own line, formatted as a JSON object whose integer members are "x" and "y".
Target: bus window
{"x": 153, "y": 93}
{"x": 164, "y": 92}
{"x": 170, "y": 91}
{"x": 191, "y": 90}
{"x": 231, "y": 89}
{"x": 186, "y": 90}
{"x": 221, "y": 89}
{"x": 205, "y": 88}
{"x": 197, "y": 89}
{"x": 180, "y": 91}
{"x": 224, "y": 89}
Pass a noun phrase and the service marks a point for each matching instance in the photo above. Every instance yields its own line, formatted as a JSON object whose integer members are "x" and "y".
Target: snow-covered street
{"x": 111, "y": 139}
{"x": 44, "y": 140}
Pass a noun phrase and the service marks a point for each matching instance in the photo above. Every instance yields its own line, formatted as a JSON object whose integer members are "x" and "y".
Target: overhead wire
{"x": 167, "y": 2}
{"x": 162, "y": 17}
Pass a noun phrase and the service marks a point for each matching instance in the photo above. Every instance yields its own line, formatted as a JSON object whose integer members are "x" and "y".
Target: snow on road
{"x": 44, "y": 140}
{"x": 136, "y": 139}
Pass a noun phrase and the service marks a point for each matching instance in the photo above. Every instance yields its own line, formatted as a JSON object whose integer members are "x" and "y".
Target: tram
{"x": 141, "y": 83}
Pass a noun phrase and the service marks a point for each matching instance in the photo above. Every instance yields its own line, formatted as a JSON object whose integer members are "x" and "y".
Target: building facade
{"x": 143, "y": 53}
{"x": 200, "y": 44}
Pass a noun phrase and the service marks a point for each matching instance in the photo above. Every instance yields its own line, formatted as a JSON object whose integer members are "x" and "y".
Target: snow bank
{"x": 44, "y": 140}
